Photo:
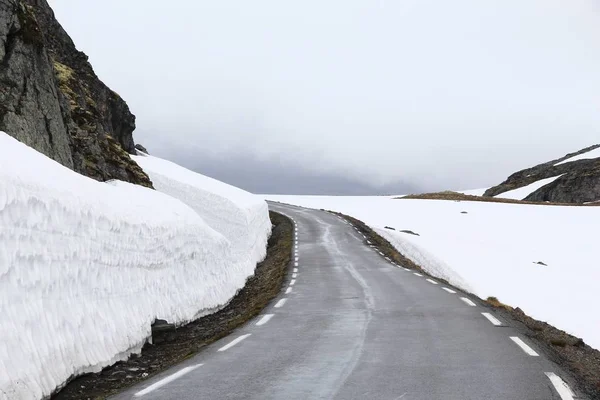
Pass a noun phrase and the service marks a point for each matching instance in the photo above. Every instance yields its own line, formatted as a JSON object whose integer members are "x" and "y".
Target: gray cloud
{"x": 436, "y": 94}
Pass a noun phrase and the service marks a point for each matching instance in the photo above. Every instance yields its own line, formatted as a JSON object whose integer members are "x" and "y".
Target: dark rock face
{"x": 141, "y": 148}
{"x": 579, "y": 181}
{"x": 51, "y": 99}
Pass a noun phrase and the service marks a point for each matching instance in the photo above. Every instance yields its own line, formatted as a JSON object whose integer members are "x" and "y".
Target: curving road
{"x": 351, "y": 325}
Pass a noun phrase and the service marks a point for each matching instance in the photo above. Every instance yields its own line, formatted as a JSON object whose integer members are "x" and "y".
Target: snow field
{"x": 86, "y": 267}
{"x": 492, "y": 251}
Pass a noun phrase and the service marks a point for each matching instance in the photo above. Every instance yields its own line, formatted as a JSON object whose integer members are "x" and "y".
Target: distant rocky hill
{"x": 51, "y": 99}
{"x": 577, "y": 179}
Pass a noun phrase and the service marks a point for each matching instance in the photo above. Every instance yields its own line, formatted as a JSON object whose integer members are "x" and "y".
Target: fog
{"x": 350, "y": 97}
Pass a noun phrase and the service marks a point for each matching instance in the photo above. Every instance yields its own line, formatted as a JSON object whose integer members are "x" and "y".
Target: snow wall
{"x": 86, "y": 267}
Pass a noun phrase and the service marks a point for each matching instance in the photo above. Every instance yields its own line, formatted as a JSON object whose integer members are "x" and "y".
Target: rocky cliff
{"x": 579, "y": 180}
{"x": 51, "y": 99}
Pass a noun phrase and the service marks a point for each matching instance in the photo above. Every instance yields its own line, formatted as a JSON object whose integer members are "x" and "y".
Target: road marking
{"x": 363, "y": 235}
{"x": 468, "y": 301}
{"x": 294, "y": 275}
{"x": 432, "y": 281}
{"x": 368, "y": 242}
{"x": 297, "y": 258}
{"x": 264, "y": 319}
{"x": 387, "y": 258}
{"x": 564, "y": 391}
{"x": 417, "y": 274}
{"x": 295, "y": 264}
{"x": 280, "y": 303}
{"x": 288, "y": 290}
{"x": 295, "y": 270}
{"x": 380, "y": 252}
{"x": 292, "y": 282}
{"x": 166, "y": 380}
{"x": 492, "y": 319}
{"x": 449, "y": 290}
{"x": 406, "y": 269}
{"x": 524, "y": 346}
{"x": 234, "y": 342}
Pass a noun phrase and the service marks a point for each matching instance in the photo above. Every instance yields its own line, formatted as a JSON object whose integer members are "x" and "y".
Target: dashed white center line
{"x": 432, "y": 281}
{"x": 449, "y": 290}
{"x": 264, "y": 319}
{"x": 292, "y": 282}
{"x": 468, "y": 301}
{"x": 280, "y": 303}
{"x": 166, "y": 380}
{"x": 561, "y": 387}
{"x": 234, "y": 342}
{"x": 288, "y": 290}
{"x": 417, "y": 274}
{"x": 524, "y": 346}
{"x": 294, "y": 275}
{"x": 492, "y": 319}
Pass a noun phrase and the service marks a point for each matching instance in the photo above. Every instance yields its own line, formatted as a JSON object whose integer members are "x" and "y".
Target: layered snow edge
{"x": 86, "y": 267}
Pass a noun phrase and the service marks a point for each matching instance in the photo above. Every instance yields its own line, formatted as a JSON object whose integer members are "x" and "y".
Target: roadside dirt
{"x": 568, "y": 351}
{"x": 182, "y": 343}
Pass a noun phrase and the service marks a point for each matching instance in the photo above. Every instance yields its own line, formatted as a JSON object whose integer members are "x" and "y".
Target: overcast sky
{"x": 411, "y": 94}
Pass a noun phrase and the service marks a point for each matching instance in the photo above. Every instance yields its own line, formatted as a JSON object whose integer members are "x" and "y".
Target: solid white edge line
{"x": 524, "y": 346}
{"x": 417, "y": 274}
{"x": 449, "y": 290}
{"x": 288, "y": 290}
{"x": 431, "y": 281}
{"x": 280, "y": 303}
{"x": 264, "y": 319}
{"x": 564, "y": 391}
{"x": 167, "y": 380}
{"x": 292, "y": 282}
{"x": 468, "y": 301}
{"x": 495, "y": 321}
{"x": 234, "y": 342}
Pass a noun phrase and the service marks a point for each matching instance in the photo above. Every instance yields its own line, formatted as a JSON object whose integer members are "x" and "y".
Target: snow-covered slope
{"x": 584, "y": 156}
{"x": 492, "y": 251}
{"x": 523, "y": 192}
{"x": 86, "y": 267}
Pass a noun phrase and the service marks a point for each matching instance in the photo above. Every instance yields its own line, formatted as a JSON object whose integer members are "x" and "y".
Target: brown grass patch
{"x": 455, "y": 196}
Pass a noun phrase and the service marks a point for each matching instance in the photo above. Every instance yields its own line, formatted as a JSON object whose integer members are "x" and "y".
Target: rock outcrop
{"x": 579, "y": 180}
{"x": 51, "y": 99}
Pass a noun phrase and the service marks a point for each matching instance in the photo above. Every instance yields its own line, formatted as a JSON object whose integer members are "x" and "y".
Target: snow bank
{"x": 86, "y": 267}
{"x": 491, "y": 251}
{"x": 588, "y": 155}
{"x": 522, "y": 192}
{"x": 243, "y": 218}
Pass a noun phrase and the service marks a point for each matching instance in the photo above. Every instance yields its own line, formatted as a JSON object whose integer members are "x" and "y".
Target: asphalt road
{"x": 354, "y": 326}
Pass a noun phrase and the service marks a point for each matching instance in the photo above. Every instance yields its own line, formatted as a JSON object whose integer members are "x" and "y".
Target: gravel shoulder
{"x": 173, "y": 346}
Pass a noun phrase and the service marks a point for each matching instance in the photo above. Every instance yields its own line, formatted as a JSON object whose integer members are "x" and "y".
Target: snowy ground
{"x": 86, "y": 267}
{"x": 492, "y": 251}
